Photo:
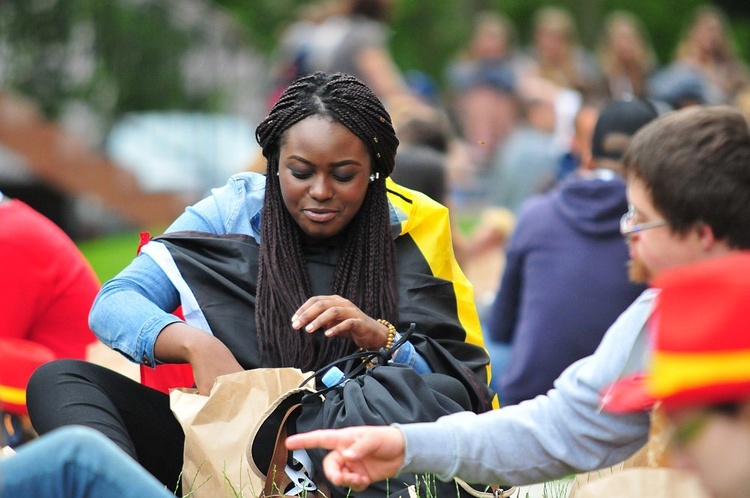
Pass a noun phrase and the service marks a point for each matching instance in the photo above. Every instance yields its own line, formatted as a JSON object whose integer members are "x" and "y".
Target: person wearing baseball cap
{"x": 566, "y": 263}
{"x": 699, "y": 371}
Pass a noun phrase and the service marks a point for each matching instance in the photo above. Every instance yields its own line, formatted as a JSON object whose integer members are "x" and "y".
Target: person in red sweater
{"x": 46, "y": 291}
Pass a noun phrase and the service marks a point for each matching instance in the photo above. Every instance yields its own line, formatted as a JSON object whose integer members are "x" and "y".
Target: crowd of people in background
{"x": 494, "y": 83}
{"x": 514, "y": 120}
{"x": 525, "y": 146}
{"x": 512, "y": 108}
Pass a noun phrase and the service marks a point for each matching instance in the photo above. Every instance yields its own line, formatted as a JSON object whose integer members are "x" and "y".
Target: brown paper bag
{"x": 645, "y": 483}
{"x": 219, "y": 428}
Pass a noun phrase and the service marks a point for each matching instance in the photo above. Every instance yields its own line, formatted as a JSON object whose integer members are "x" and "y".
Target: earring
{"x": 277, "y": 173}
{"x": 374, "y": 176}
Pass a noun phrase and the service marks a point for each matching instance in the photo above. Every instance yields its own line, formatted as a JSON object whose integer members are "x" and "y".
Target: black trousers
{"x": 137, "y": 418}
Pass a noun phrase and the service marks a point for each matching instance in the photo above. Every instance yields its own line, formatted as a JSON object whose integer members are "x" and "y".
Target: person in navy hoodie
{"x": 566, "y": 276}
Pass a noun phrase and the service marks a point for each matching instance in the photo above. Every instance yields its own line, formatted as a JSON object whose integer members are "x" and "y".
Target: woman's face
{"x": 324, "y": 173}
{"x": 708, "y": 33}
{"x": 490, "y": 41}
{"x": 626, "y": 42}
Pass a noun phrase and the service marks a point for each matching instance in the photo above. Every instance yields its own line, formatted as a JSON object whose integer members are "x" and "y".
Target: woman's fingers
{"x": 324, "y": 312}
{"x": 312, "y": 309}
{"x": 339, "y": 317}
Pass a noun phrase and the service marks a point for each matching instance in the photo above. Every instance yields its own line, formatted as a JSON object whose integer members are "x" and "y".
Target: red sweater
{"x": 46, "y": 285}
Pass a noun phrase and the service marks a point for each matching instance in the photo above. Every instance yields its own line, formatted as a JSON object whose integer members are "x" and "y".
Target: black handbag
{"x": 380, "y": 395}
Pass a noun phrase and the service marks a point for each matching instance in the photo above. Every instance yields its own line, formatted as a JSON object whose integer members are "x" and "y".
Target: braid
{"x": 366, "y": 271}
{"x": 280, "y": 260}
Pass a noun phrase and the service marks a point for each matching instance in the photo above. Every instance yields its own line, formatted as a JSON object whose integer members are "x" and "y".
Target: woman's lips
{"x": 319, "y": 215}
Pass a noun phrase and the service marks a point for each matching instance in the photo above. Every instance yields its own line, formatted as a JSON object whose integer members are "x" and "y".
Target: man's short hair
{"x": 696, "y": 165}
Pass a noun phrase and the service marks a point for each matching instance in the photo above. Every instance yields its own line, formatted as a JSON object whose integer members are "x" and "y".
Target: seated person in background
{"x": 707, "y": 49}
{"x": 689, "y": 187}
{"x": 424, "y": 140}
{"x": 525, "y": 163}
{"x": 699, "y": 372}
{"x": 557, "y": 55}
{"x": 428, "y": 159}
{"x": 47, "y": 290}
{"x": 566, "y": 278}
{"x": 482, "y": 85}
{"x": 484, "y": 249}
{"x": 626, "y": 56}
{"x": 329, "y": 257}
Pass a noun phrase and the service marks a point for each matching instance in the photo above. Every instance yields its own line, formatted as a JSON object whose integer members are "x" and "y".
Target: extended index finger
{"x": 328, "y": 439}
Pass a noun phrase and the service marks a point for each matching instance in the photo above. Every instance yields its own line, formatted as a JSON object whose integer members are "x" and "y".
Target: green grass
{"x": 466, "y": 222}
{"x": 108, "y": 255}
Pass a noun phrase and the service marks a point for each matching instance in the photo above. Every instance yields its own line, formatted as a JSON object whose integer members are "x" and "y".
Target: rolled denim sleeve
{"x": 408, "y": 355}
{"x": 132, "y": 308}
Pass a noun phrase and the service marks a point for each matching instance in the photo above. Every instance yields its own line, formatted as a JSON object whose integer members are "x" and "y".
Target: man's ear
{"x": 706, "y": 237}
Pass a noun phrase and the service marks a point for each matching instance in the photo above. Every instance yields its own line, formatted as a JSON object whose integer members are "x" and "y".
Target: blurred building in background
{"x": 117, "y": 113}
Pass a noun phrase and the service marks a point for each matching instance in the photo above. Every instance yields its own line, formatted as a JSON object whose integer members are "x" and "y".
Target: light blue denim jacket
{"x": 130, "y": 310}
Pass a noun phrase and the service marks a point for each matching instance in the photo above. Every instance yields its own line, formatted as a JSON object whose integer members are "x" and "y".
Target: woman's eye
{"x": 343, "y": 178}
{"x": 301, "y": 174}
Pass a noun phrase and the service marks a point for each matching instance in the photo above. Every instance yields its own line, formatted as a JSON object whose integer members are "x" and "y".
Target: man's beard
{"x": 638, "y": 272}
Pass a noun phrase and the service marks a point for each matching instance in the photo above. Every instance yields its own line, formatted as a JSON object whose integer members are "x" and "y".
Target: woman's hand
{"x": 211, "y": 361}
{"x": 340, "y": 317}
{"x": 209, "y": 357}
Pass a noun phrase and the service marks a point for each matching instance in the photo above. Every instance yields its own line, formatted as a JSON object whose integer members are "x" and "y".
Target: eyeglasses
{"x": 629, "y": 226}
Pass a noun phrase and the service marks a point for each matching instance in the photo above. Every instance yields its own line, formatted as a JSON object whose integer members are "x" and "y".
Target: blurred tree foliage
{"x": 118, "y": 56}
{"x": 105, "y": 58}
{"x": 99, "y": 51}
{"x": 427, "y": 33}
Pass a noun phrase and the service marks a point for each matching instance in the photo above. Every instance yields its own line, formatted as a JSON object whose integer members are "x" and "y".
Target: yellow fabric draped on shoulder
{"x": 428, "y": 224}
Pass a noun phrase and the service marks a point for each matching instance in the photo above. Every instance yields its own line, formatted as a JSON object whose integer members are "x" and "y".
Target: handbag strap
{"x": 493, "y": 491}
{"x": 277, "y": 479}
{"x": 276, "y": 474}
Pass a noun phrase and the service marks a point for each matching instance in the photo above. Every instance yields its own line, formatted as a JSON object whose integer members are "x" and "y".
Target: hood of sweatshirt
{"x": 593, "y": 204}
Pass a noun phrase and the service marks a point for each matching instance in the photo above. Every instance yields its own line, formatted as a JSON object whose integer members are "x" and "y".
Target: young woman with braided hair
{"x": 325, "y": 252}
{"x": 367, "y": 263}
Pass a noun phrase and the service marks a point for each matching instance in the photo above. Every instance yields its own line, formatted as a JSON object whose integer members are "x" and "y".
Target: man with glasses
{"x": 706, "y": 401}
{"x": 629, "y": 222}
{"x": 566, "y": 263}
{"x": 688, "y": 182}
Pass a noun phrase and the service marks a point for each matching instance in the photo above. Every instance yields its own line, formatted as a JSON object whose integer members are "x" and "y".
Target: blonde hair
{"x": 645, "y": 60}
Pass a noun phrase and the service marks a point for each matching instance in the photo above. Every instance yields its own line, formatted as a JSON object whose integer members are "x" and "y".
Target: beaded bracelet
{"x": 391, "y": 332}
{"x": 389, "y": 340}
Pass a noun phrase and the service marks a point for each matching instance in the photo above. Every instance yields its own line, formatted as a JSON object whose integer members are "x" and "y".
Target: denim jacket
{"x": 131, "y": 309}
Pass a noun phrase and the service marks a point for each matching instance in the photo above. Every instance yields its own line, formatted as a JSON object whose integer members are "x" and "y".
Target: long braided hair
{"x": 366, "y": 272}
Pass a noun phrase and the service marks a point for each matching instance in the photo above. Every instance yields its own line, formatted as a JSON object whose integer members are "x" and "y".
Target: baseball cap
{"x": 19, "y": 360}
{"x": 623, "y": 117}
{"x": 701, "y": 340}
{"x": 678, "y": 85}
